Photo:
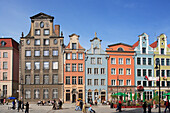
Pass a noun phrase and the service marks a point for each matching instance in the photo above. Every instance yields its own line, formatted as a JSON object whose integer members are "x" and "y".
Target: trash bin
{"x": 111, "y": 105}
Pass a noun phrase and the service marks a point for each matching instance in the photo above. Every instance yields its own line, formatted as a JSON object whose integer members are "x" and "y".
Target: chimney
{"x": 57, "y": 30}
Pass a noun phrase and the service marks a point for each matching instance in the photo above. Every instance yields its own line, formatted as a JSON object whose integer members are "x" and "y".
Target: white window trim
{"x": 122, "y": 73}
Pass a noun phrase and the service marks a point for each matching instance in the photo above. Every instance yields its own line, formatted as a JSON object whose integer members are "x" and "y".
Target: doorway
{"x": 73, "y": 98}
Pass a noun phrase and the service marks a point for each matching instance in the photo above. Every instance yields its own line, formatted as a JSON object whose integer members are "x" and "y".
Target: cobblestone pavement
{"x": 70, "y": 108}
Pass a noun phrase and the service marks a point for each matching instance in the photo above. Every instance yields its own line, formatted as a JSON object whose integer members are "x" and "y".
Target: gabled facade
{"x": 162, "y": 51}
{"x": 74, "y": 70}
{"x": 121, "y": 76}
{"x": 9, "y": 69}
{"x": 96, "y": 72}
{"x": 41, "y": 61}
{"x": 144, "y": 66}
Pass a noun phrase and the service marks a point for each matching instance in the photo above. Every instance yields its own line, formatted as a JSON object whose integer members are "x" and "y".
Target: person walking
{"x": 149, "y": 108}
{"x": 144, "y": 107}
{"x": 22, "y": 107}
{"x": 167, "y": 106}
{"x": 84, "y": 108}
{"x": 81, "y": 104}
{"x": 154, "y": 104}
{"x": 19, "y": 105}
{"x": 120, "y": 106}
{"x": 90, "y": 109}
{"x": 60, "y": 104}
{"x": 27, "y": 108}
{"x": 13, "y": 103}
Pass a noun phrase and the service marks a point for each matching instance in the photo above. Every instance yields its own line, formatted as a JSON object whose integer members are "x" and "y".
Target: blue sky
{"x": 114, "y": 20}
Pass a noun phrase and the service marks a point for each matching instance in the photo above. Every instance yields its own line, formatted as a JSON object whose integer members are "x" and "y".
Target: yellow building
{"x": 162, "y": 51}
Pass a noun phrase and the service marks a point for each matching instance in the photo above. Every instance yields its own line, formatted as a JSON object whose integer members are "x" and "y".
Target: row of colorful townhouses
{"x": 42, "y": 67}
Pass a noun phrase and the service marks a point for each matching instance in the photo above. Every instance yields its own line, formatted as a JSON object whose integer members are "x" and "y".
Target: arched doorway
{"x": 73, "y": 98}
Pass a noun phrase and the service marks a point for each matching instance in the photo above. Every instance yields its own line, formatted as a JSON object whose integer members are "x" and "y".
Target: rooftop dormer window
{"x": 3, "y": 43}
{"x": 74, "y": 45}
{"x": 41, "y": 24}
{"x": 120, "y": 49}
{"x": 143, "y": 50}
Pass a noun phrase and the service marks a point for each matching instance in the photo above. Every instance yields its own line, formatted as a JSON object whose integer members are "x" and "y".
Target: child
{"x": 90, "y": 109}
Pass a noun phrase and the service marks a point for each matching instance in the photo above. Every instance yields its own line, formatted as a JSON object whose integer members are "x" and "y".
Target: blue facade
{"x": 144, "y": 65}
{"x": 96, "y": 72}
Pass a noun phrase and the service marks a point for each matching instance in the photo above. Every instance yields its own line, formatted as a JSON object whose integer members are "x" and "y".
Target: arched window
{"x": 3, "y": 43}
{"x": 120, "y": 49}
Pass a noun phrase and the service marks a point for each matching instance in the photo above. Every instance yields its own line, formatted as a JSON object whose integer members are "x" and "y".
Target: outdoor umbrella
{"x": 119, "y": 94}
{"x": 143, "y": 96}
{"x": 124, "y": 97}
{"x": 130, "y": 96}
{"x": 11, "y": 98}
{"x": 135, "y": 96}
{"x": 166, "y": 94}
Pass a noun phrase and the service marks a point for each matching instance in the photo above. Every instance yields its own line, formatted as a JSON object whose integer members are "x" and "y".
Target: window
{"x": 92, "y": 60}
{"x": 120, "y": 60}
{"x": 46, "y": 42}
{"x": 163, "y": 83}
{"x": 74, "y": 80}
{"x": 157, "y": 83}
{"x": 128, "y": 82}
{"x": 80, "y": 67}
{"x": 36, "y": 65}
{"x": 55, "y": 41}
{"x": 96, "y": 71}
{"x": 55, "y": 52}
{"x": 149, "y": 61}
{"x": 168, "y": 73}
{"x": 36, "y": 53}
{"x": 144, "y": 72}
{"x": 113, "y": 60}
{"x": 46, "y": 53}
{"x": 4, "y": 90}
{"x": 46, "y": 31}
{"x": 162, "y": 73}
{"x": 74, "y": 56}
{"x": 96, "y": 51}
{"x": 128, "y": 62}
{"x": 102, "y": 71}
{"x": 28, "y": 65}
{"x": 80, "y": 80}
{"x": 36, "y": 79}
{"x": 74, "y": 67}
{"x": 36, "y": 93}
{"x": 120, "y": 71}
{"x": 143, "y": 50}
{"x": 102, "y": 81}
{"x": 113, "y": 71}
{"x": 80, "y": 56}
{"x": 67, "y": 55}
{"x": 120, "y": 49}
{"x": 27, "y": 53}
{"x": 144, "y": 83}
{"x": 67, "y": 67}
{"x": 113, "y": 82}
{"x": 37, "y": 32}
{"x": 5, "y": 55}
{"x": 55, "y": 65}
{"x": 27, "y": 94}
{"x": 46, "y": 65}
{"x": 162, "y": 62}
{"x": 89, "y": 81}
{"x": 55, "y": 93}
{"x": 138, "y": 83}
{"x": 67, "y": 80}
{"x": 138, "y": 72}
{"x": 27, "y": 79}
{"x": 46, "y": 79}
{"x": 121, "y": 83}
{"x": 74, "y": 45}
{"x": 4, "y": 75}
{"x": 45, "y": 94}
{"x": 157, "y": 73}
{"x": 167, "y": 62}
{"x": 28, "y": 42}
{"x": 144, "y": 61}
{"x": 150, "y": 83}
{"x": 37, "y": 42}
{"x": 128, "y": 71}
{"x": 138, "y": 61}
{"x": 162, "y": 51}
{"x": 150, "y": 73}
{"x": 89, "y": 71}
{"x": 96, "y": 82}
{"x": 55, "y": 79}
{"x": 99, "y": 60}
{"x": 168, "y": 83}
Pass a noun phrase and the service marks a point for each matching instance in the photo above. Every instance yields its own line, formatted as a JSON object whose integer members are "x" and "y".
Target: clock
{"x": 41, "y": 24}
{"x": 55, "y": 41}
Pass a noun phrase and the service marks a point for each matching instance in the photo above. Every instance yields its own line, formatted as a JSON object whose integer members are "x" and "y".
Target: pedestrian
{"x": 22, "y": 108}
{"x": 54, "y": 107}
{"x": 154, "y": 104}
{"x": 81, "y": 104}
{"x": 84, "y": 108}
{"x": 149, "y": 108}
{"x": 144, "y": 107}
{"x": 13, "y": 103}
{"x": 120, "y": 106}
{"x": 27, "y": 108}
{"x": 19, "y": 105}
{"x": 90, "y": 109}
{"x": 78, "y": 105}
{"x": 16, "y": 101}
{"x": 117, "y": 106}
{"x": 167, "y": 106}
{"x": 60, "y": 104}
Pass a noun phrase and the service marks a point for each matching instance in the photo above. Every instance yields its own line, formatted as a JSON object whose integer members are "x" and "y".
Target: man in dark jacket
{"x": 27, "y": 108}
{"x": 167, "y": 106}
{"x": 144, "y": 107}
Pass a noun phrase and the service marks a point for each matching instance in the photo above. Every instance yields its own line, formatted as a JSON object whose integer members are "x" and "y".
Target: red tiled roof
{"x": 153, "y": 45}
{"x": 68, "y": 46}
{"x": 136, "y": 44}
{"x": 80, "y": 47}
{"x": 9, "y": 43}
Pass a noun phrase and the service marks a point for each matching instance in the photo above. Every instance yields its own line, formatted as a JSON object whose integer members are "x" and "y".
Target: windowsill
{"x": 80, "y": 59}
{"x": 28, "y": 69}
{"x": 67, "y": 71}
{"x": 36, "y": 45}
{"x": 27, "y": 56}
{"x": 36, "y": 56}
{"x": 45, "y": 56}
{"x": 113, "y": 74}
{"x": 80, "y": 71}
{"x": 74, "y": 71}
{"x": 37, "y": 69}
{"x": 113, "y": 64}
{"x": 55, "y": 55}
{"x": 74, "y": 59}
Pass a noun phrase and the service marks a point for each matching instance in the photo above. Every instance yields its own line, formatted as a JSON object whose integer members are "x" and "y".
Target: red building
{"x": 120, "y": 68}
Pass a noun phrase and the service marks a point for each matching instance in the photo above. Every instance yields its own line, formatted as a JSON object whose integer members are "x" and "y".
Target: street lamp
{"x": 158, "y": 67}
{"x": 117, "y": 86}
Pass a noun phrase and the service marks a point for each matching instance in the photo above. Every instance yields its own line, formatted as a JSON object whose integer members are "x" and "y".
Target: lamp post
{"x": 158, "y": 67}
{"x": 117, "y": 86}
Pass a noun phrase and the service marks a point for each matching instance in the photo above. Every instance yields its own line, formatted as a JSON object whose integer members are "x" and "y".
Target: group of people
{"x": 19, "y": 105}
{"x": 55, "y": 106}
